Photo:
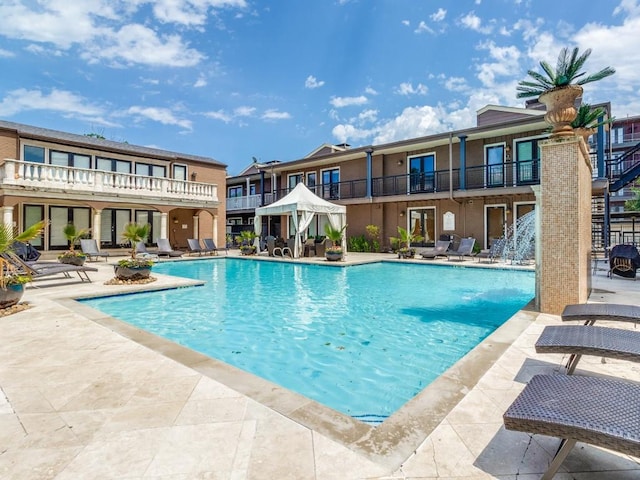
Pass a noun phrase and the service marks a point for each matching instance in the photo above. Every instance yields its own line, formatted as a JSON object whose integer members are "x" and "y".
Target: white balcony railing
{"x": 243, "y": 203}
{"x": 80, "y": 180}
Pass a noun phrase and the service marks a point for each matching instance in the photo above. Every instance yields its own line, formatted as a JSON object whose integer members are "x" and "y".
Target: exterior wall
{"x": 9, "y": 145}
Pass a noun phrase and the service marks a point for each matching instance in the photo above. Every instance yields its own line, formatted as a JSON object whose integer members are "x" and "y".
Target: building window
{"x": 331, "y": 183}
{"x": 252, "y": 189}
{"x": 617, "y": 135}
{"x": 66, "y": 159}
{"x": 235, "y": 192}
{"x": 421, "y": 172}
{"x": 294, "y": 180}
{"x": 180, "y": 172}
{"x": 311, "y": 181}
{"x": 527, "y": 161}
{"x": 149, "y": 170}
{"x": 33, "y": 154}
{"x": 112, "y": 165}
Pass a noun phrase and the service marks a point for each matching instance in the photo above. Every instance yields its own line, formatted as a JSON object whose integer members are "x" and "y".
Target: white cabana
{"x": 302, "y": 205}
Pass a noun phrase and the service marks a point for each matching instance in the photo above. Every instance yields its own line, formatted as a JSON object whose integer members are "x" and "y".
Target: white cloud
{"x": 502, "y": 66}
{"x": 423, "y": 27}
{"x": 220, "y": 115}
{"x": 370, "y": 91}
{"x": 456, "y": 84}
{"x": 190, "y": 12}
{"x": 349, "y": 133}
{"x": 244, "y": 111}
{"x": 157, "y": 114}
{"x": 439, "y": 15}
{"x": 6, "y": 53}
{"x": 312, "y": 82}
{"x": 201, "y": 82}
{"x": 139, "y": 44}
{"x": 63, "y": 101}
{"x": 473, "y": 22}
{"x": 407, "y": 88}
{"x": 340, "y": 102}
{"x": 412, "y": 122}
{"x": 273, "y": 114}
{"x": 406, "y": 23}
{"x": 369, "y": 115}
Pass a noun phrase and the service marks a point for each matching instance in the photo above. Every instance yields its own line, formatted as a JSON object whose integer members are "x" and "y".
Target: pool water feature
{"x": 362, "y": 340}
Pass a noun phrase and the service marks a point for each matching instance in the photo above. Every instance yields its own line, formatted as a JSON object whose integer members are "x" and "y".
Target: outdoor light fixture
{"x": 175, "y": 219}
{"x": 400, "y": 162}
{"x": 507, "y": 152}
{"x": 402, "y": 213}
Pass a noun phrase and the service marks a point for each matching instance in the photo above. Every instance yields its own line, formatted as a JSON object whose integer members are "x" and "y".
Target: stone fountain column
{"x": 563, "y": 274}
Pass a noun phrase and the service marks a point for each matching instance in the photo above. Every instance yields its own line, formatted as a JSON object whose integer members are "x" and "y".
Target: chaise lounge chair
{"x": 165, "y": 249}
{"x": 599, "y": 411}
{"x": 141, "y": 251}
{"x": 90, "y": 248}
{"x": 465, "y": 249}
{"x": 38, "y": 270}
{"x": 195, "y": 247}
{"x": 579, "y": 340}
{"x": 493, "y": 252}
{"x": 439, "y": 250}
{"x": 210, "y": 246}
{"x": 590, "y": 312}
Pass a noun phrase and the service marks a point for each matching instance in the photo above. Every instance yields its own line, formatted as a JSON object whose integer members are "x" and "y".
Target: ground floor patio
{"x": 80, "y": 399}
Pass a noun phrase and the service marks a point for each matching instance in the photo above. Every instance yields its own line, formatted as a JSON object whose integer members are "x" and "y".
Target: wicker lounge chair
{"x": 579, "y": 340}
{"x": 465, "y": 249}
{"x": 598, "y": 411}
{"x": 210, "y": 246}
{"x": 439, "y": 250}
{"x": 90, "y": 248}
{"x": 590, "y": 312}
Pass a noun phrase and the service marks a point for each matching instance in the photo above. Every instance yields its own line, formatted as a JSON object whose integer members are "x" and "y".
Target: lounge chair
{"x": 165, "y": 249}
{"x": 210, "y": 246}
{"x": 439, "y": 250}
{"x": 465, "y": 249}
{"x": 38, "y": 270}
{"x": 493, "y": 252}
{"x": 590, "y": 312}
{"x": 195, "y": 247}
{"x": 579, "y": 340}
{"x": 141, "y": 251}
{"x": 90, "y": 248}
{"x": 599, "y": 411}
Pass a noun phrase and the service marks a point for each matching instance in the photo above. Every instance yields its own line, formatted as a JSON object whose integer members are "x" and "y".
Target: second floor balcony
{"x": 79, "y": 182}
{"x": 510, "y": 174}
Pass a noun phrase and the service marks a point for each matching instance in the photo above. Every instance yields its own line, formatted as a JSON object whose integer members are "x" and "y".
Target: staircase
{"x": 624, "y": 169}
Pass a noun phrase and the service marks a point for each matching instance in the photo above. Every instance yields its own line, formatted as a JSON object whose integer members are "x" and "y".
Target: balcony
{"x": 79, "y": 183}
{"x": 512, "y": 174}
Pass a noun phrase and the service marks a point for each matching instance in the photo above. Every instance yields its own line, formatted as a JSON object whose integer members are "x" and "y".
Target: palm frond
{"x": 605, "y": 72}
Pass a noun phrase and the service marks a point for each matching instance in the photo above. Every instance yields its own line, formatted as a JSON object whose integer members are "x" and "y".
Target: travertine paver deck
{"x": 79, "y": 400}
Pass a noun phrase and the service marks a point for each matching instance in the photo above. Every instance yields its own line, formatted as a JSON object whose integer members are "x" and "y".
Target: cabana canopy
{"x": 302, "y": 205}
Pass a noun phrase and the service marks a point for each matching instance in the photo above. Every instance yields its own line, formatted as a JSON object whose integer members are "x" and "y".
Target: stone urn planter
{"x": 561, "y": 108}
{"x": 248, "y": 250}
{"x": 585, "y": 133}
{"x": 11, "y": 295}
{"x": 77, "y": 260}
{"x": 333, "y": 255}
{"x": 406, "y": 253}
{"x": 132, "y": 273}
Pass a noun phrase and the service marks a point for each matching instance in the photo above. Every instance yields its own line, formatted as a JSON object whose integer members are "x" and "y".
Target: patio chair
{"x": 39, "y": 270}
{"x": 464, "y": 250}
{"x": 624, "y": 260}
{"x": 141, "y": 251}
{"x": 439, "y": 250}
{"x": 589, "y": 313}
{"x": 579, "y": 340}
{"x": 165, "y": 249}
{"x": 493, "y": 252}
{"x": 211, "y": 247}
{"x": 89, "y": 247}
{"x": 194, "y": 246}
{"x": 598, "y": 411}
{"x": 310, "y": 247}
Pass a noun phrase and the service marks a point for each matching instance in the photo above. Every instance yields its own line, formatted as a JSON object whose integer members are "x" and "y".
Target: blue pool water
{"x": 362, "y": 340}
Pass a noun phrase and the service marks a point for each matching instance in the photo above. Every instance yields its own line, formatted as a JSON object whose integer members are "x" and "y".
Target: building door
{"x": 33, "y": 214}
{"x": 421, "y": 174}
{"x": 113, "y": 223}
{"x": 494, "y": 223}
{"x": 422, "y": 222}
{"x": 494, "y": 155}
{"x": 60, "y": 217}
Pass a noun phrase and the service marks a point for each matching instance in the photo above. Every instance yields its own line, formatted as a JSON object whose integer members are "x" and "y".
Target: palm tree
{"x": 335, "y": 235}
{"x": 8, "y": 272}
{"x": 567, "y": 72}
{"x": 134, "y": 233}
{"x": 589, "y": 117}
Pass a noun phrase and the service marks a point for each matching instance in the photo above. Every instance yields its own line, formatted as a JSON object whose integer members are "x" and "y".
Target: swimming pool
{"x": 362, "y": 340}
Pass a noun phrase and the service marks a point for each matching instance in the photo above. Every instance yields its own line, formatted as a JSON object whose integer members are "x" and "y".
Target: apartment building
{"x": 473, "y": 182}
{"x": 102, "y": 185}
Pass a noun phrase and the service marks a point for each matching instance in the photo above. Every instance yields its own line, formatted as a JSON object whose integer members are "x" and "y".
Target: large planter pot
{"x": 72, "y": 260}
{"x": 406, "y": 254}
{"x": 585, "y": 133}
{"x": 333, "y": 256}
{"x": 132, "y": 273}
{"x": 246, "y": 250}
{"x": 561, "y": 108}
{"x": 11, "y": 295}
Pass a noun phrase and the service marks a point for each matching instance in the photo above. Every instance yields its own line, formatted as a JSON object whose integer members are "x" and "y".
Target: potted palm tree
{"x": 559, "y": 88}
{"x": 588, "y": 120}
{"x": 134, "y": 268}
{"x": 406, "y": 238}
{"x": 247, "y": 247}
{"x": 334, "y": 252}
{"x": 12, "y": 280}
{"x": 73, "y": 235}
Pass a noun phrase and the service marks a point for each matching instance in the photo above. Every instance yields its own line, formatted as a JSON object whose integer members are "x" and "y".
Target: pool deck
{"x": 82, "y": 396}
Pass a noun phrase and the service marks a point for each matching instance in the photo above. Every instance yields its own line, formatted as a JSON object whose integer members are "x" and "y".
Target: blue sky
{"x": 236, "y": 79}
